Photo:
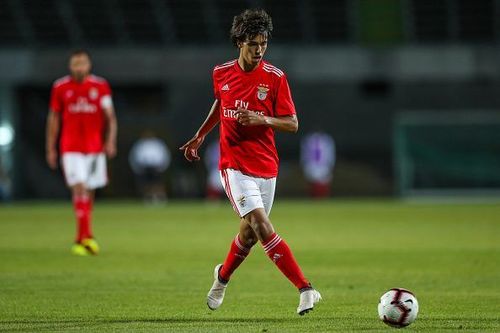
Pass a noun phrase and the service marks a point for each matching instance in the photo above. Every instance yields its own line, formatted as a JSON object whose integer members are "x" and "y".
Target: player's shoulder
{"x": 271, "y": 69}
{"x": 225, "y": 66}
{"x": 61, "y": 81}
{"x": 97, "y": 79}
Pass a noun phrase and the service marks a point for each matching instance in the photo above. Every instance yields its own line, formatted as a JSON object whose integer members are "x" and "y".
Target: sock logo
{"x": 277, "y": 256}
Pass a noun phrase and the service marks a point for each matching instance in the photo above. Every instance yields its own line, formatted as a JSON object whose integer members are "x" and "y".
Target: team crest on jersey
{"x": 262, "y": 92}
{"x": 93, "y": 93}
{"x": 69, "y": 93}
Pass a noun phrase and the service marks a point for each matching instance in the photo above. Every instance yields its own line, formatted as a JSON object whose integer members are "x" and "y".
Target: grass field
{"x": 156, "y": 267}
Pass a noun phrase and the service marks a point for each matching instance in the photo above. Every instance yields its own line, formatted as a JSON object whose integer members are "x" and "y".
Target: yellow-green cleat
{"x": 79, "y": 250}
{"x": 91, "y": 246}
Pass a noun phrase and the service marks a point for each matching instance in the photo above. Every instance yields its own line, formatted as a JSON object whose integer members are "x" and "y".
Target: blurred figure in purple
{"x": 318, "y": 160}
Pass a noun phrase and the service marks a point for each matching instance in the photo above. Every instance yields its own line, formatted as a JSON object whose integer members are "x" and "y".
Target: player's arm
{"x": 52, "y": 131}
{"x": 111, "y": 131}
{"x": 191, "y": 147}
{"x": 284, "y": 124}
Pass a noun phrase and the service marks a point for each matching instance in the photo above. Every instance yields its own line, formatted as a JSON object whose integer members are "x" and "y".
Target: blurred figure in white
{"x": 149, "y": 159}
{"x": 215, "y": 190}
{"x": 318, "y": 160}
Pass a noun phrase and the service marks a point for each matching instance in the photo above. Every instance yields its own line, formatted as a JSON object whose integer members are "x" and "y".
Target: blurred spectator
{"x": 149, "y": 159}
{"x": 5, "y": 183}
{"x": 318, "y": 159}
{"x": 214, "y": 184}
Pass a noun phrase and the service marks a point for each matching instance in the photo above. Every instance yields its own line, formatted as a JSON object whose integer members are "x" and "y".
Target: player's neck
{"x": 80, "y": 79}
{"x": 247, "y": 67}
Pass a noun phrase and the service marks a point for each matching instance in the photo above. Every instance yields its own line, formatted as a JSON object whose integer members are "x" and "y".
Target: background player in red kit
{"x": 81, "y": 106}
{"x": 252, "y": 100}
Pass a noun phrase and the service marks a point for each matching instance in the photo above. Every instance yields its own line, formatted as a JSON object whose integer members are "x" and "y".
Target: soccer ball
{"x": 398, "y": 307}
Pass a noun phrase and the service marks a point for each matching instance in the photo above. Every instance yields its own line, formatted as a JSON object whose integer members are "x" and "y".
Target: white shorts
{"x": 247, "y": 193}
{"x": 87, "y": 169}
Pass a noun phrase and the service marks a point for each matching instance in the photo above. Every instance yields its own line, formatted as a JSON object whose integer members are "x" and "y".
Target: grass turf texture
{"x": 156, "y": 266}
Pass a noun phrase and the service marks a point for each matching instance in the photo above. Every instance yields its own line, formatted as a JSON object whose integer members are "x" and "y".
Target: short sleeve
{"x": 284, "y": 105}
{"x": 55, "y": 99}
{"x": 106, "y": 89}
{"x": 106, "y": 100}
{"x": 216, "y": 86}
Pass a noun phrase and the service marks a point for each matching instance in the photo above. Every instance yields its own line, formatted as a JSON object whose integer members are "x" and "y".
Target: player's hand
{"x": 110, "y": 149}
{"x": 249, "y": 118}
{"x": 191, "y": 148}
{"x": 51, "y": 157}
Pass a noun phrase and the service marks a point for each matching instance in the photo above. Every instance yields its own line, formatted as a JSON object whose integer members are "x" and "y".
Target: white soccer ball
{"x": 398, "y": 307}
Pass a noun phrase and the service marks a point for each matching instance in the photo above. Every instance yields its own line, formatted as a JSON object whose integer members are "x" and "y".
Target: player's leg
{"x": 238, "y": 251}
{"x": 280, "y": 253}
{"x": 96, "y": 178}
{"x": 278, "y": 250}
{"x": 240, "y": 245}
{"x": 75, "y": 172}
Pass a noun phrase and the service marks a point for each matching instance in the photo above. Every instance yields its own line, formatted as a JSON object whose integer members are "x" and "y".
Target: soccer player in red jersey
{"x": 81, "y": 108}
{"x": 252, "y": 100}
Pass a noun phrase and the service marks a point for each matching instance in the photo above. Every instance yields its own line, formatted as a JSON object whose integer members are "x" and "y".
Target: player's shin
{"x": 279, "y": 252}
{"x": 237, "y": 253}
{"x": 81, "y": 208}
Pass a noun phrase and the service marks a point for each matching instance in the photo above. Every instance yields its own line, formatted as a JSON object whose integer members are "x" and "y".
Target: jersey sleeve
{"x": 106, "y": 100}
{"x": 55, "y": 103}
{"x": 284, "y": 105}
{"x": 216, "y": 85}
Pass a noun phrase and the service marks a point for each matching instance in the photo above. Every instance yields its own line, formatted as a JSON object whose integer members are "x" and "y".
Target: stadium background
{"x": 409, "y": 90}
{"x": 356, "y": 69}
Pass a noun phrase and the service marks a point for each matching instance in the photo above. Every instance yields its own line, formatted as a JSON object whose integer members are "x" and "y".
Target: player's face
{"x": 252, "y": 50}
{"x": 79, "y": 66}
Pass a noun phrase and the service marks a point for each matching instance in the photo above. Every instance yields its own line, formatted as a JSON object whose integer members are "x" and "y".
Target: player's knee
{"x": 79, "y": 190}
{"x": 260, "y": 224}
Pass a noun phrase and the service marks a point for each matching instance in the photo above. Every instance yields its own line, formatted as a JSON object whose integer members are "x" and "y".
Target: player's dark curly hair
{"x": 250, "y": 23}
{"x": 77, "y": 52}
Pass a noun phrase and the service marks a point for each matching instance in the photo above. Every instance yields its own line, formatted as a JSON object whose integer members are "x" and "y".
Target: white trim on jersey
{"x": 273, "y": 68}
{"x": 62, "y": 80}
{"x": 225, "y": 65}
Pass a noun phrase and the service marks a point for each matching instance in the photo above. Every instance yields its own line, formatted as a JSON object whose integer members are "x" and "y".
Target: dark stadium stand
{"x": 164, "y": 22}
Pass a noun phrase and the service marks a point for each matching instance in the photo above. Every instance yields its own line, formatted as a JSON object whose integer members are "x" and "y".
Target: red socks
{"x": 82, "y": 206}
{"x": 237, "y": 253}
{"x": 279, "y": 252}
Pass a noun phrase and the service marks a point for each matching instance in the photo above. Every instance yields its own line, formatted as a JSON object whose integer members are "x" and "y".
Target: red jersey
{"x": 250, "y": 149}
{"x": 83, "y": 119}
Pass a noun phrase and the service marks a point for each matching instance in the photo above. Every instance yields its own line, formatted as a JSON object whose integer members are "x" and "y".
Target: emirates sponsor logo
{"x": 82, "y": 106}
{"x": 230, "y": 113}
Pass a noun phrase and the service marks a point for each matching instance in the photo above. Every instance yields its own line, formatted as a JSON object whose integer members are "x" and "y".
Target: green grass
{"x": 156, "y": 267}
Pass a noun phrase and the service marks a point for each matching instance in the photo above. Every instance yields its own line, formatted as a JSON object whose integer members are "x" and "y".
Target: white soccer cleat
{"x": 307, "y": 300}
{"x": 216, "y": 294}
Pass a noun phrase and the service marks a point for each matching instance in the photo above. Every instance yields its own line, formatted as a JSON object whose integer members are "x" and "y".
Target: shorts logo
{"x": 93, "y": 93}
{"x": 242, "y": 201}
{"x": 262, "y": 92}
